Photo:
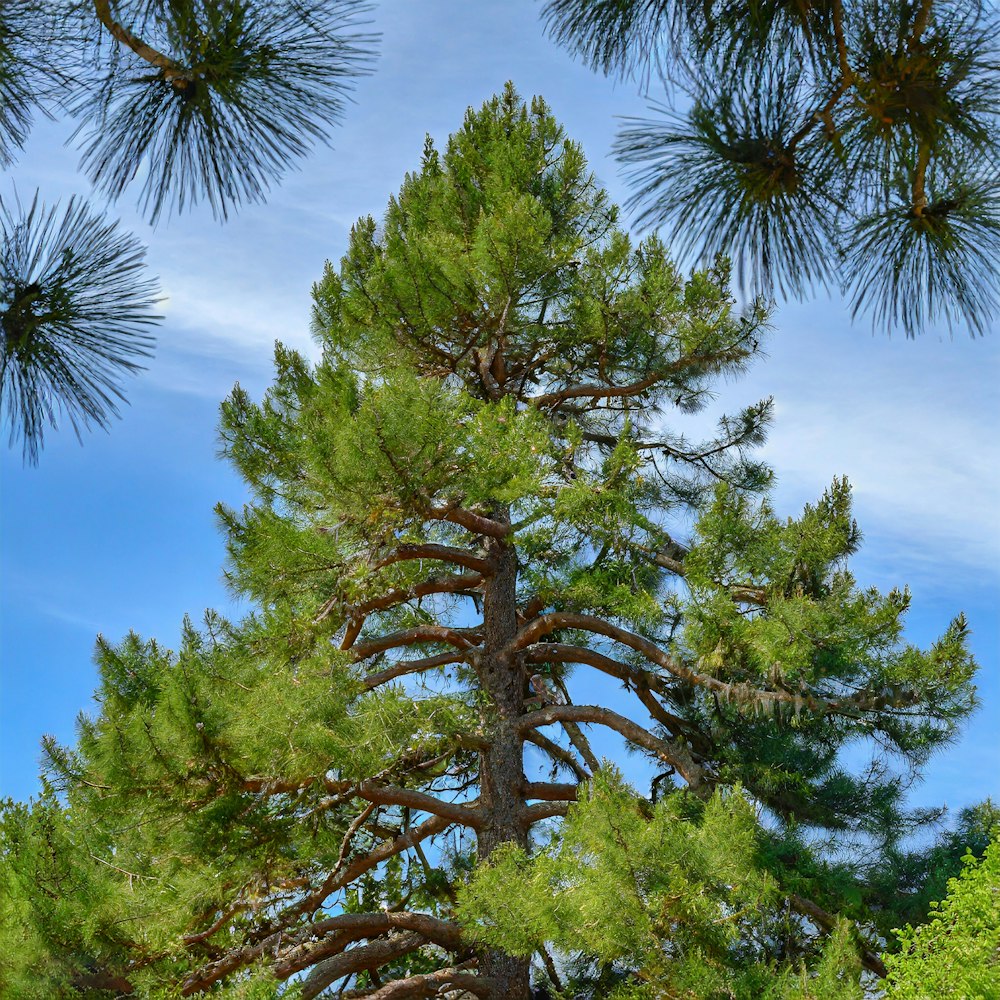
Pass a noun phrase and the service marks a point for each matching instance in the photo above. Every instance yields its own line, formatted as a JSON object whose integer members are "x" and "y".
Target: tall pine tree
{"x": 467, "y": 512}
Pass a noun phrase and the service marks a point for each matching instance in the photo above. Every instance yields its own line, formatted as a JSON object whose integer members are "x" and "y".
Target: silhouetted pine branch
{"x": 75, "y": 313}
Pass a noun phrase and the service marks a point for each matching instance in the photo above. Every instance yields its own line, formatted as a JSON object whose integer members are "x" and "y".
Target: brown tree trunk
{"x": 501, "y": 766}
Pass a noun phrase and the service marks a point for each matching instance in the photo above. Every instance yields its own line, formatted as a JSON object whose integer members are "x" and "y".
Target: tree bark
{"x": 501, "y": 798}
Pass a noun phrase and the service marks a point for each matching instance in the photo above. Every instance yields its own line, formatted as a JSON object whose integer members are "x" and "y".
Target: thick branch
{"x": 444, "y": 982}
{"x": 826, "y": 922}
{"x": 436, "y": 585}
{"x": 693, "y": 773}
{"x": 553, "y": 399}
{"x": 549, "y": 791}
{"x": 393, "y": 795}
{"x": 369, "y": 956}
{"x": 478, "y": 524}
{"x": 738, "y": 693}
{"x": 633, "y": 678}
{"x": 364, "y": 925}
{"x": 442, "y": 553}
{"x": 302, "y": 949}
{"x": 543, "y": 810}
{"x": 596, "y": 391}
{"x": 404, "y": 667}
{"x": 356, "y": 613}
{"x": 462, "y": 638}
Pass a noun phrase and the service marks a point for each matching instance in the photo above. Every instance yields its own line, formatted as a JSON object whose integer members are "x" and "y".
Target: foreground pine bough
{"x": 464, "y": 545}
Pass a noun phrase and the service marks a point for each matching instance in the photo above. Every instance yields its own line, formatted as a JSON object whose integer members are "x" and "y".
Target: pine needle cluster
{"x": 849, "y": 143}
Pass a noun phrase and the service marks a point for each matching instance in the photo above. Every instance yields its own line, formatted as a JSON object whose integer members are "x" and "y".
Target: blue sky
{"x": 120, "y": 534}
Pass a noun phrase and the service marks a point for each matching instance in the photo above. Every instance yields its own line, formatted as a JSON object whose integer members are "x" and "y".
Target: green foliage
{"x": 676, "y": 893}
{"x": 471, "y": 502}
{"x": 957, "y": 952}
{"x": 237, "y": 90}
{"x": 75, "y": 313}
{"x": 205, "y": 100}
{"x": 846, "y": 142}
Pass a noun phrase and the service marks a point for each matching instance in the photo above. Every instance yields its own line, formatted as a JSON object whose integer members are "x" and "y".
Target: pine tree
{"x": 821, "y": 142}
{"x": 204, "y": 100}
{"x": 471, "y": 509}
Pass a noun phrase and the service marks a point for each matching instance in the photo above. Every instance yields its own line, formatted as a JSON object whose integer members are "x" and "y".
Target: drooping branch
{"x": 393, "y": 795}
{"x": 359, "y": 866}
{"x": 297, "y": 949}
{"x": 551, "y": 400}
{"x": 337, "y": 932}
{"x": 582, "y": 745}
{"x": 441, "y": 553}
{"x": 369, "y": 956}
{"x": 444, "y": 982}
{"x": 739, "y": 693}
{"x": 677, "y": 757}
{"x": 464, "y": 583}
{"x": 827, "y": 921}
{"x": 461, "y": 638}
{"x": 556, "y": 752}
{"x": 403, "y": 668}
{"x": 596, "y": 391}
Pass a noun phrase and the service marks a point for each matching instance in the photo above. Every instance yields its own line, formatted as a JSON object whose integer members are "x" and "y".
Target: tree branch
{"x": 431, "y": 984}
{"x": 462, "y": 638}
{"x": 369, "y": 956}
{"x": 444, "y": 933}
{"x": 827, "y": 921}
{"x": 739, "y": 693}
{"x": 677, "y": 758}
{"x": 553, "y": 399}
{"x": 393, "y": 795}
{"x": 404, "y": 667}
{"x": 558, "y": 753}
{"x": 435, "y": 585}
{"x": 303, "y": 950}
{"x": 478, "y": 524}
{"x": 633, "y": 678}
{"x": 543, "y": 810}
{"x": 356, "y": 613}
{"x": 549, "y": 791}
{"x": 358, "y": 867}
{"x": 173, "y": 72}
{"x": 442, "y": 553}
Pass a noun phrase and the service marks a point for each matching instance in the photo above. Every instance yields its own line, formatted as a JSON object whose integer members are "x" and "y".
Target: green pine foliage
{"x": 472, "y": 507}
{"x": 673, "y": 894}
{"x": 850, "y": 143}
{"x": 197, "y": 101}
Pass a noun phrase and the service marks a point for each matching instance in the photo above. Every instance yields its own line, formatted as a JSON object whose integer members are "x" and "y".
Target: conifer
{"x": 475, "y": 550}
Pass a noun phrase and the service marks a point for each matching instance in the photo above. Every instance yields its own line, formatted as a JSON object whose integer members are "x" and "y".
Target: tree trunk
{"x": 501, "y": 766}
